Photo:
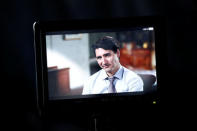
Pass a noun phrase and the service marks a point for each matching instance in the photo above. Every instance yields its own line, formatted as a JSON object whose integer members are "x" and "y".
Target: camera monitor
{"x": 65, "y": 60}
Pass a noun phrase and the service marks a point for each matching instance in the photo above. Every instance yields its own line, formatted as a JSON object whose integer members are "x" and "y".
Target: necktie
{"x": 111, "y": 88}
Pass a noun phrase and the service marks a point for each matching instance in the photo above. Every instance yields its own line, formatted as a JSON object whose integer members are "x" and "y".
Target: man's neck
{"x": 110, "y": 74}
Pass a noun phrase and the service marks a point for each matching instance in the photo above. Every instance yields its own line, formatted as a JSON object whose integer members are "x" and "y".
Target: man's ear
{"x": 118, "y": 53}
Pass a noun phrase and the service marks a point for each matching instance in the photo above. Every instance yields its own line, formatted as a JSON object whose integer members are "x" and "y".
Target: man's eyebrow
{"x": 98, "y": 57}
{"x": 107, "y": 54}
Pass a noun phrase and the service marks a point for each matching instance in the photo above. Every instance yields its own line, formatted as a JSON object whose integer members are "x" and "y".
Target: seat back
{"x": 149, "y": 82}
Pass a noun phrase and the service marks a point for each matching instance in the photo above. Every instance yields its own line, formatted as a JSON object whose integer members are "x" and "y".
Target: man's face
{"x": 108, "y": 60}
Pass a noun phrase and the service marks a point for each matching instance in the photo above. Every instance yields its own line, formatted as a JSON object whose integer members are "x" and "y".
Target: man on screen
{"x": 113, "y": 77}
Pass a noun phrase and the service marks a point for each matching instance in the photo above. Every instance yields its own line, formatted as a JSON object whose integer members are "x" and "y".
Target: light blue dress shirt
{"x": 126, "y": 81}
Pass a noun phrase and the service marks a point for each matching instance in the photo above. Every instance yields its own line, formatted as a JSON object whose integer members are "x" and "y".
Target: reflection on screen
{"x": 70, "y": 59}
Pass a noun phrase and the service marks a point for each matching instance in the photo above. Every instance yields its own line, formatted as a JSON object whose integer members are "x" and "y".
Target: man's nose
{"x": 104, "y": 61}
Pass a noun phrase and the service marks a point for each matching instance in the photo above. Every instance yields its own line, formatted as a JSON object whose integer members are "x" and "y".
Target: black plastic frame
{"x": 40, "y": 30}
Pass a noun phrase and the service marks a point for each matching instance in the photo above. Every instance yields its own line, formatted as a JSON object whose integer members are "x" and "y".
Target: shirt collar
{"x": 118, "y": 74}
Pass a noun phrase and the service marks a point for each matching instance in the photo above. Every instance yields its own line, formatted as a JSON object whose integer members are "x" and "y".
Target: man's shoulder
{"x": 91, "y": 79}
{"x": 132, "y": 77}
{"x": 130, "y": 74}
{"x": 95, "y": 75}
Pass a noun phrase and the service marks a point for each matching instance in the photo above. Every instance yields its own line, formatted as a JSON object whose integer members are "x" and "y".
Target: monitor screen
{"x": 71, "y": 61}
{"x": 75, "y": 59}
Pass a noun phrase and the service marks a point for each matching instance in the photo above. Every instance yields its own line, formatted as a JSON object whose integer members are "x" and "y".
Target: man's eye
{"x": 108, "y": 54}
{"x": 98, "y": 58}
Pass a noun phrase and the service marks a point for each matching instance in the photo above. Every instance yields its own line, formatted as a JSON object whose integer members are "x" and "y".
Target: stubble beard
{"x": 112, "y": 70}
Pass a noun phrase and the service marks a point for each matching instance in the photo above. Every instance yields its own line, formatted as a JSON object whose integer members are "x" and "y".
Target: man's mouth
{"x": 106, "y": 66}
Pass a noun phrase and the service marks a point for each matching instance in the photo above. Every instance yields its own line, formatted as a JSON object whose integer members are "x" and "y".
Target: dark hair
{"x": 107, "y": 43}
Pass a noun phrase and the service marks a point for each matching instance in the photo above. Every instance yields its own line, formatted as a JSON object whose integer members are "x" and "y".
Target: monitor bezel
{"x": 42, "y": 27}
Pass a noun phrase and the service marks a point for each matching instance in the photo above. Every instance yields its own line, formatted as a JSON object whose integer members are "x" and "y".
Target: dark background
{"x": 18, "y": 65}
